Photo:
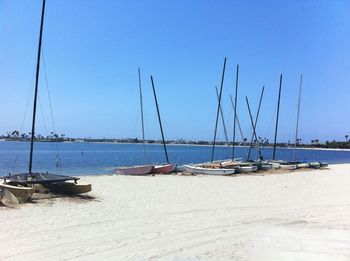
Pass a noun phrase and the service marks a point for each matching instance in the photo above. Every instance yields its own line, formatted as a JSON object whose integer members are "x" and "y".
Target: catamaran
{"x": 141, "y": 169}
{"x": 167, "y": 167}
{"x": 199, "y": 169}
{"x": 148, "y": 168}
{"x": 21, "y": 185}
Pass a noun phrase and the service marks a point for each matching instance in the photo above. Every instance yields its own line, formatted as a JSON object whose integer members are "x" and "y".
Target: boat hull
{"x": 135, "y": 170}
{"x": 315, "y": 165}
{"x": 163, "y": 169}
{"x": 8, "y": 199}
{"x": 323, "y": 165}
{"x": 303, "y": 165}
{"x": 247, "y": 169}
{"x": 69, "y": 188}
{"x": 21, "y": 193}
{"x": 288, "y": 166}
{"x": 265, "y": 166}
{"x": 208, "y": 171}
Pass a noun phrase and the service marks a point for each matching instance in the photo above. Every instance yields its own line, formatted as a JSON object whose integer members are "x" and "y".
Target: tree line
{"x": 263, "y": 142}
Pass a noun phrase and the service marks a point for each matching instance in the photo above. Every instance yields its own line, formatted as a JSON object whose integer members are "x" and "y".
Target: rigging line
{"x": 254, "y": 125}
{"x": 27, "y": 104}
{"x": 48, "y": 92}
{"x": 239, "y": 125}
{"x": 58, "y": 157}
{"x": 25, "y": 112}
{"x": 42, "y": 115}
{"x": 58, "y": 163}
{"x": 222, "y": 116}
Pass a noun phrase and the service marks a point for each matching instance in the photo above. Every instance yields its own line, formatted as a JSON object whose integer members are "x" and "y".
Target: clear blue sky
{"x": 93, "y": 48}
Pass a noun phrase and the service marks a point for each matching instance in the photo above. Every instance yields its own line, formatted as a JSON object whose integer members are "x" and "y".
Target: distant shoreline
{"x": 187, "y": 144}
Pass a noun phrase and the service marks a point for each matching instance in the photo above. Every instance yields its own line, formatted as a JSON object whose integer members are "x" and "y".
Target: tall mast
{"x": 298, "y": 113}
{"x": 217, "y": 112}
{"x": 142, "y": 122}
{"x": 255, "y": 124}
{"x": 222, "y": 116}
{"x": 278, "y": 112}
{"x": 160, "y": 122}
{"x": 36, "y": 88}
{"x": 234, "y": 116}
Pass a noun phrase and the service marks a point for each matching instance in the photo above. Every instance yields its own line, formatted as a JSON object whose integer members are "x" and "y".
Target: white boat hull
{"x": 247, "y": 169}
{"x": 288, "y": 166}
{"x": 208, "y": 171}
{"x": 266, "y": 166}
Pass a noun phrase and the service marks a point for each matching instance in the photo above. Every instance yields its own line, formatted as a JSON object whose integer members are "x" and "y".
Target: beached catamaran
{"x": 294, "y": 164}
{"x": 21, "y": 185}
{"x": 140, "y": 169}
{"x": 279, "y": 163}
{"x": 166, "y": 167}
{"x": 148, "y": 168}
{"x": 260, "y": 163}
{"x": 212, "y": 168}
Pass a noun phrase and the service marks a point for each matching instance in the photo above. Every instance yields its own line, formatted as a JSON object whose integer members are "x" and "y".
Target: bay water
{"x": 80, "y": 158}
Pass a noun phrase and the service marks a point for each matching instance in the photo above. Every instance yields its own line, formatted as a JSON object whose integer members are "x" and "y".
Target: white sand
{"x": 295, "y": 216}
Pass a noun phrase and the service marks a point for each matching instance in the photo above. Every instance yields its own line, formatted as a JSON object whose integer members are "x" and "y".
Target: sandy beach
{"x": 294, "y": 216}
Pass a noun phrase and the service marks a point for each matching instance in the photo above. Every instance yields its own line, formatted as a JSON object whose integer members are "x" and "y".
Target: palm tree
{"x": 346, "y": 137}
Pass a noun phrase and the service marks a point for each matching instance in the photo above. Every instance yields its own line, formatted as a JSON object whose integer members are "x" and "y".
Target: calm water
{"x": 92, "y": 158}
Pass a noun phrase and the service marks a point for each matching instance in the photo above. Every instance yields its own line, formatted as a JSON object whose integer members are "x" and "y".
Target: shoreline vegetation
{"x": 263, "y": 143}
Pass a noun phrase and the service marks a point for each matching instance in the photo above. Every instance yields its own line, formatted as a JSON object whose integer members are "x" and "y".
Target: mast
{"x": 222, "y": 116}
{"x": 298, "y": 113}
{"x": 160, "y": 122}
{"x": 36, "y": 88}
{"x": 234, "y": 116}
{"x": 217, "y": 112}
{"x": 142, "y": 122}
{"x": 255, "y": 124}
{"x": 278, "y": 112}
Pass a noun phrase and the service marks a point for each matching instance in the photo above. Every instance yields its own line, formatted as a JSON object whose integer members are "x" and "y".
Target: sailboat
{"x": 237, "y": 165}
{"x": 21, "y": 185}
{"x": 260, "y": 163}
{"x": 298, "y": 163}
{"x": 279, "y": 163}
{"x": 167, "y": 167}
{"x": 212, "y": 167}
{"x": 141, "y": 169}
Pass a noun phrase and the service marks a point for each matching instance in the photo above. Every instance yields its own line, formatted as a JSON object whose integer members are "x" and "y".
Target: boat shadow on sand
{"x": 44, "y": 194}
